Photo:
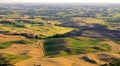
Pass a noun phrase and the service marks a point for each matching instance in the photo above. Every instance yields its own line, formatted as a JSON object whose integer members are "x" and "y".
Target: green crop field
{"x": 73, "y": 45}
{"x": 9, "y": 43}
{"x": 16, "y": 58}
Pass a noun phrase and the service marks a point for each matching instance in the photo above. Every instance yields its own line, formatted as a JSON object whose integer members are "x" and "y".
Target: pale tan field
{"x": 4, "y": 38}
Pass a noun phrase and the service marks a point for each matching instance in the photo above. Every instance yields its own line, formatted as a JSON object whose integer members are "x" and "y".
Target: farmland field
{"x": 61, "y": 34}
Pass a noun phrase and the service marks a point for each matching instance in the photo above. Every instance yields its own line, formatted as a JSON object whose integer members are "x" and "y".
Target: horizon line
{"x": 61, "y": 2}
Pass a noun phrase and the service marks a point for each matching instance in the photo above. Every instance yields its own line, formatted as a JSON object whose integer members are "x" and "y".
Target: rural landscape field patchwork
{"x": 59, "y": 34}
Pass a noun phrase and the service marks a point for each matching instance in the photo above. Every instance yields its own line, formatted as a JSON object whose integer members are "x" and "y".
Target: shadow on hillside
{"x": 97, "y": 31}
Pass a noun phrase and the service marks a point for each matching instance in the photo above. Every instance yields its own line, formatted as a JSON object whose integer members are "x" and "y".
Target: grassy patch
{"x": 9, "y": 43}
{"x": 73, "y": 45}
{"x": 5, "y": 45}
{"x": 118, "y": 42}
{"x": 85, "y": 45}
{"x": 16, "y": 58}
{"x": 82, "y": 42}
